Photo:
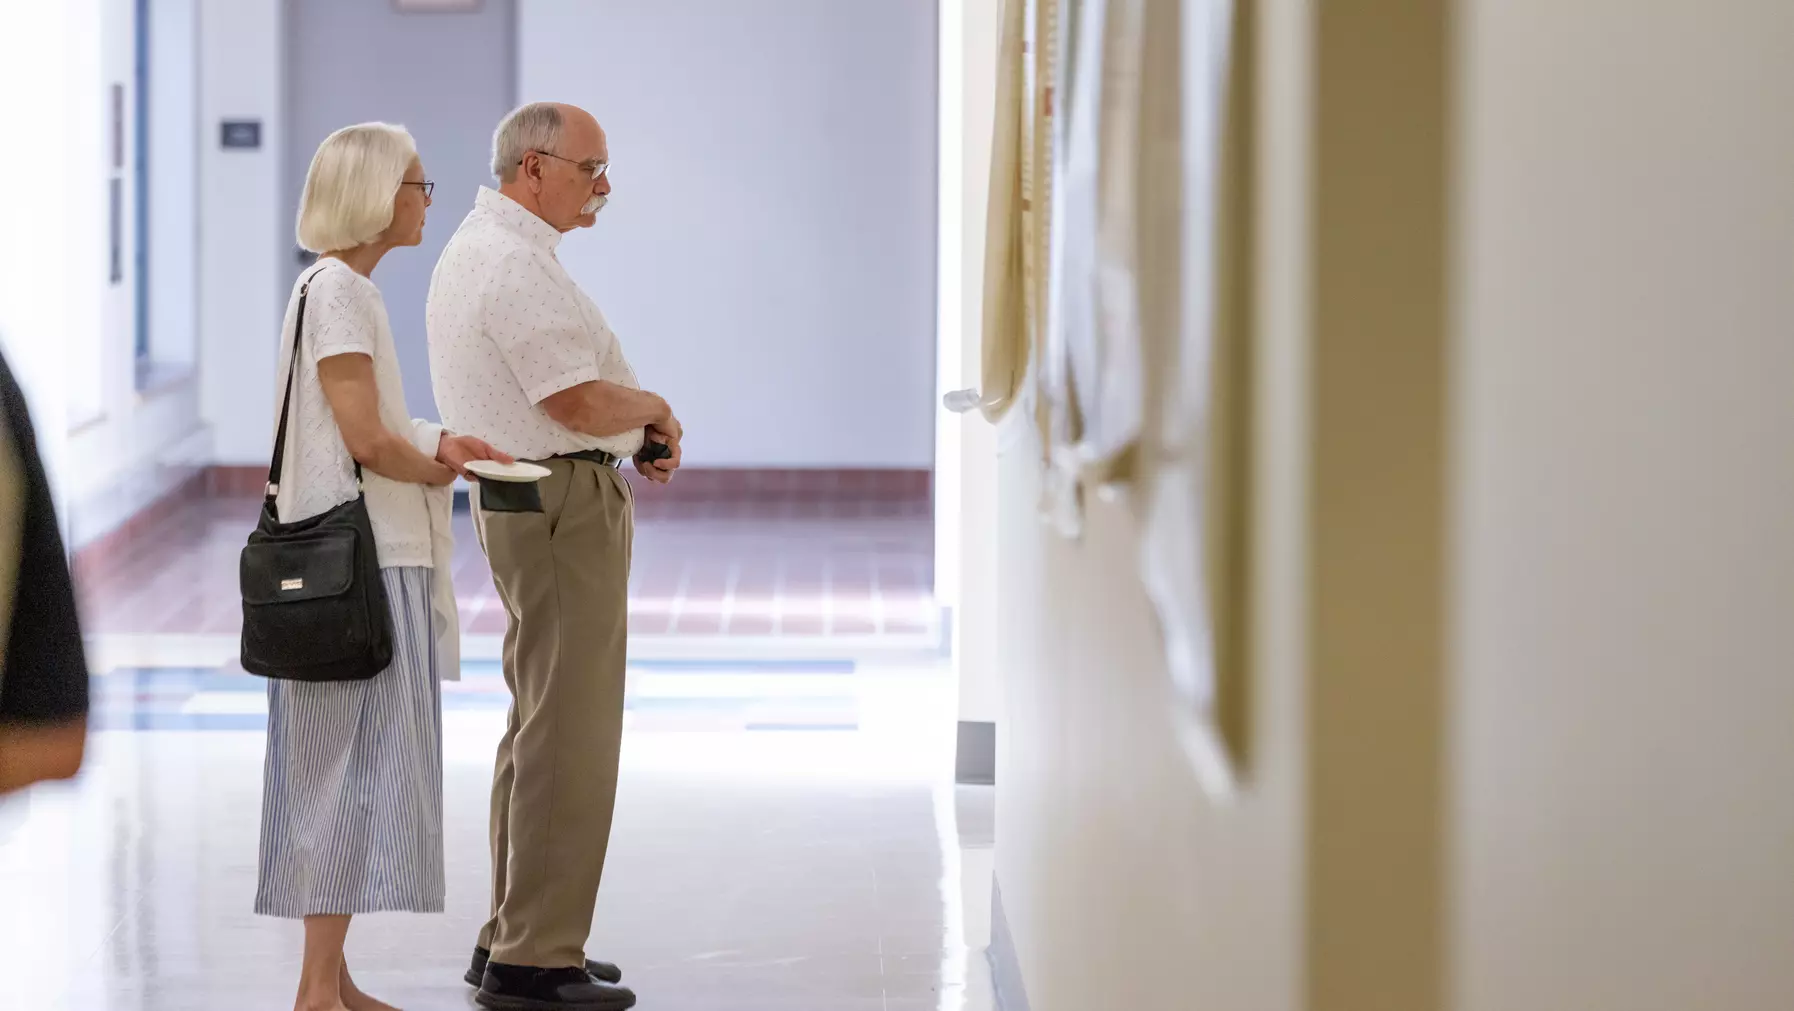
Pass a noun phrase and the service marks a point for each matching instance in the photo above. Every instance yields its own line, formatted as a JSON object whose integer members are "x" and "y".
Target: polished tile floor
{"x": 779, "y": 567}
{"x": 787, "y": 839}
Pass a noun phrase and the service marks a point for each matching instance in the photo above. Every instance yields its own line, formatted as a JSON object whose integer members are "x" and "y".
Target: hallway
{"x": 788, "y": 833}
{"x": 760, "y": 862}
{"x": 1328, "y": 463}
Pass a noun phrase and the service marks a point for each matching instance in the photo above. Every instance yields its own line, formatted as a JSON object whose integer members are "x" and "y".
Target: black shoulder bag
{"x": 314, "y": 608}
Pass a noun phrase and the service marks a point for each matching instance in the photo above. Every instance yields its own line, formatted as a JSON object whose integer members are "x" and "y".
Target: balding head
{"x": 551, "y": 158}
{"x": 533, "y": 127}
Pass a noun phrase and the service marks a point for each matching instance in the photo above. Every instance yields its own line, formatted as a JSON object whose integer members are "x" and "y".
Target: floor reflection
{"x": 787, "y": 838}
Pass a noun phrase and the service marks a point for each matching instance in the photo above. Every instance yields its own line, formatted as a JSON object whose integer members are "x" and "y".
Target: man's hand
{"x": 454, "y": 451}
{"x": 659, "y": 471}
{"x": 669, "y": 430}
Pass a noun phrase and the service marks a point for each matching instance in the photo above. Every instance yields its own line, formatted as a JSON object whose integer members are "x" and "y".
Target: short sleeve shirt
{"x": 344, "y": 315}
{"x": 509, "y": 328}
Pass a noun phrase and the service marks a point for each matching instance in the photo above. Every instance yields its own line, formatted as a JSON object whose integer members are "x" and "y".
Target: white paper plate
{"x": 495, "y": 471}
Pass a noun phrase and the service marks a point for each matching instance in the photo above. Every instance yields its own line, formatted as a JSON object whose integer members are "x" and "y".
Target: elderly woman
{"x": 352, "y": 798}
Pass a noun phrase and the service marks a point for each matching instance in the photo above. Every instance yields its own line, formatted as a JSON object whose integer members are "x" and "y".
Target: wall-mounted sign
{"x": 115, "y": 230}
{"x": 118, "y": 126}
{"x": 240, "y": 134}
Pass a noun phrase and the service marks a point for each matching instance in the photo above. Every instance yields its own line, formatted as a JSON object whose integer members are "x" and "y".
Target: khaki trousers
{"x": 560, "y": 552}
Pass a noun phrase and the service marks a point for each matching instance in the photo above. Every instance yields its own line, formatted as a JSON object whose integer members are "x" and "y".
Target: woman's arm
{"x": 348, "y": 382}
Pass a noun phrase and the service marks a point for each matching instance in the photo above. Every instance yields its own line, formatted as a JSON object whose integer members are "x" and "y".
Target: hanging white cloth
{"x": 1184, "y": 463}
{"x": 1117, "y": 302}
{"x": 1091, "y": 374}
{"x": 1128, "y": 375}
{"x": 1106, "y": 370}
{"x": 1071, "y": 314}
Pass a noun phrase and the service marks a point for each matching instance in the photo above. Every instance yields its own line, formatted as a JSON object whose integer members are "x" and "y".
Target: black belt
{"x": 597, "y": 456}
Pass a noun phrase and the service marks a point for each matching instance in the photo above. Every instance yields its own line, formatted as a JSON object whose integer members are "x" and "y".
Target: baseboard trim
{"x": 1005, "y": 965}
{"x": 777, "y": 484}
{"x": 92, "y": 552}
{"x": 975, "y": 760}
{"x": 231, "y": 481}
{"x": 705, "y": 484}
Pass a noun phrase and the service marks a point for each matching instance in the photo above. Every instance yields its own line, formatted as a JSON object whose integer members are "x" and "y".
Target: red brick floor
{"x": 795, "y": 565}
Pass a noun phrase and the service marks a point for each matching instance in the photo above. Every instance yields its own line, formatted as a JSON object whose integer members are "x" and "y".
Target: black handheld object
{"x": 652, "y": 451}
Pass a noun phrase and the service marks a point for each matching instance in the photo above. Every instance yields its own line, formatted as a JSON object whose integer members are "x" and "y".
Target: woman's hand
{"x": 454, "y": 452}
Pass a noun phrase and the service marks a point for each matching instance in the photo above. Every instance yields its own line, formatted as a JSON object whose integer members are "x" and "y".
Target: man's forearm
{"x": 603, "y": 409}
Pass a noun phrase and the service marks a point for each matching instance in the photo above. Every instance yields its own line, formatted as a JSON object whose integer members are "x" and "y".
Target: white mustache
{"x": 594, "y": 205}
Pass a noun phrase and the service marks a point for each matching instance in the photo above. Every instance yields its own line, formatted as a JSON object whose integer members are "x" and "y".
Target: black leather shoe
{"x": 602, "y": 971}
{"x": 527, "y": 988}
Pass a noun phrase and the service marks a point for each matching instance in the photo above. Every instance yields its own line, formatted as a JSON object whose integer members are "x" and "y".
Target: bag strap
{"x": 286, "y": 400}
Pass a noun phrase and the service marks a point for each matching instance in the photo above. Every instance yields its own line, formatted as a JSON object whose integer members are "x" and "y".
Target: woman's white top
{"x": 345, "y": 314}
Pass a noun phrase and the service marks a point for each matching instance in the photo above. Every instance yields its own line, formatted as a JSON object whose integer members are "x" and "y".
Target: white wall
{"x": 1626, "y": 655}
{"x": 66, "y": 328}
{"x": 448, "y": 78}
{"x": 1586, "y": 805}
{"x": 769, "y": 255}
{"x": 243, "y": 280}
{"x": 134, "y": 445}
{"x": 174, "y": 181}
{"x": 91, "y": 64}
{"x": 51, "y": 228}
{"x": 248, "y": 199}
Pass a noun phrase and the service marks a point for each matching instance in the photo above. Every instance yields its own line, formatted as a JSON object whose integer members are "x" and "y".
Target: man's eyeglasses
{"x": 594, "y": 169}
{"x": 428, "y": 187}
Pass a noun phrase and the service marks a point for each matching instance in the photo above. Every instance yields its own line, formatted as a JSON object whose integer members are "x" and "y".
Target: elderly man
{"x": 524, "y": 360}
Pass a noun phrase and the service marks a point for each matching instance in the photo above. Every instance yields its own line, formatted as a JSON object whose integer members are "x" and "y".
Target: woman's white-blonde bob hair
{"x": 350, "y": 188}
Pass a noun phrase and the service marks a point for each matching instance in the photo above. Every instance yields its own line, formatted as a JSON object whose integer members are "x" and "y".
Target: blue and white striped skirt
{"x": 352, "y": 791}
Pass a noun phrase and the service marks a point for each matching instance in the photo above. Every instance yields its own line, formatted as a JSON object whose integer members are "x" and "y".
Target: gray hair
{"x": 350, "y": 187}
{"x": 533, "y": 127}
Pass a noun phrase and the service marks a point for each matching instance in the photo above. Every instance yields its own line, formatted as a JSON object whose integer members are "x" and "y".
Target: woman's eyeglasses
{"x": 428, "y": 187}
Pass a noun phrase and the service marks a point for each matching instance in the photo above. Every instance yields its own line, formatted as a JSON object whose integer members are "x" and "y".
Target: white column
{"x": 242, "y": 227}
{"x": 52, "y": 262}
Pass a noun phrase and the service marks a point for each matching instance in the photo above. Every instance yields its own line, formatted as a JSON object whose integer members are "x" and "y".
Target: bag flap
{"x": 318, "y": 565}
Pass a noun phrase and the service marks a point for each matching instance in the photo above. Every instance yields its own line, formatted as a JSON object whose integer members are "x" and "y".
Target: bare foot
{"x": 355, "y": 1000}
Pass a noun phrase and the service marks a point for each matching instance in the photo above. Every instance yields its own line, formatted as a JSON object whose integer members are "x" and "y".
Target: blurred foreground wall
{"x": 1522, "y": 550}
